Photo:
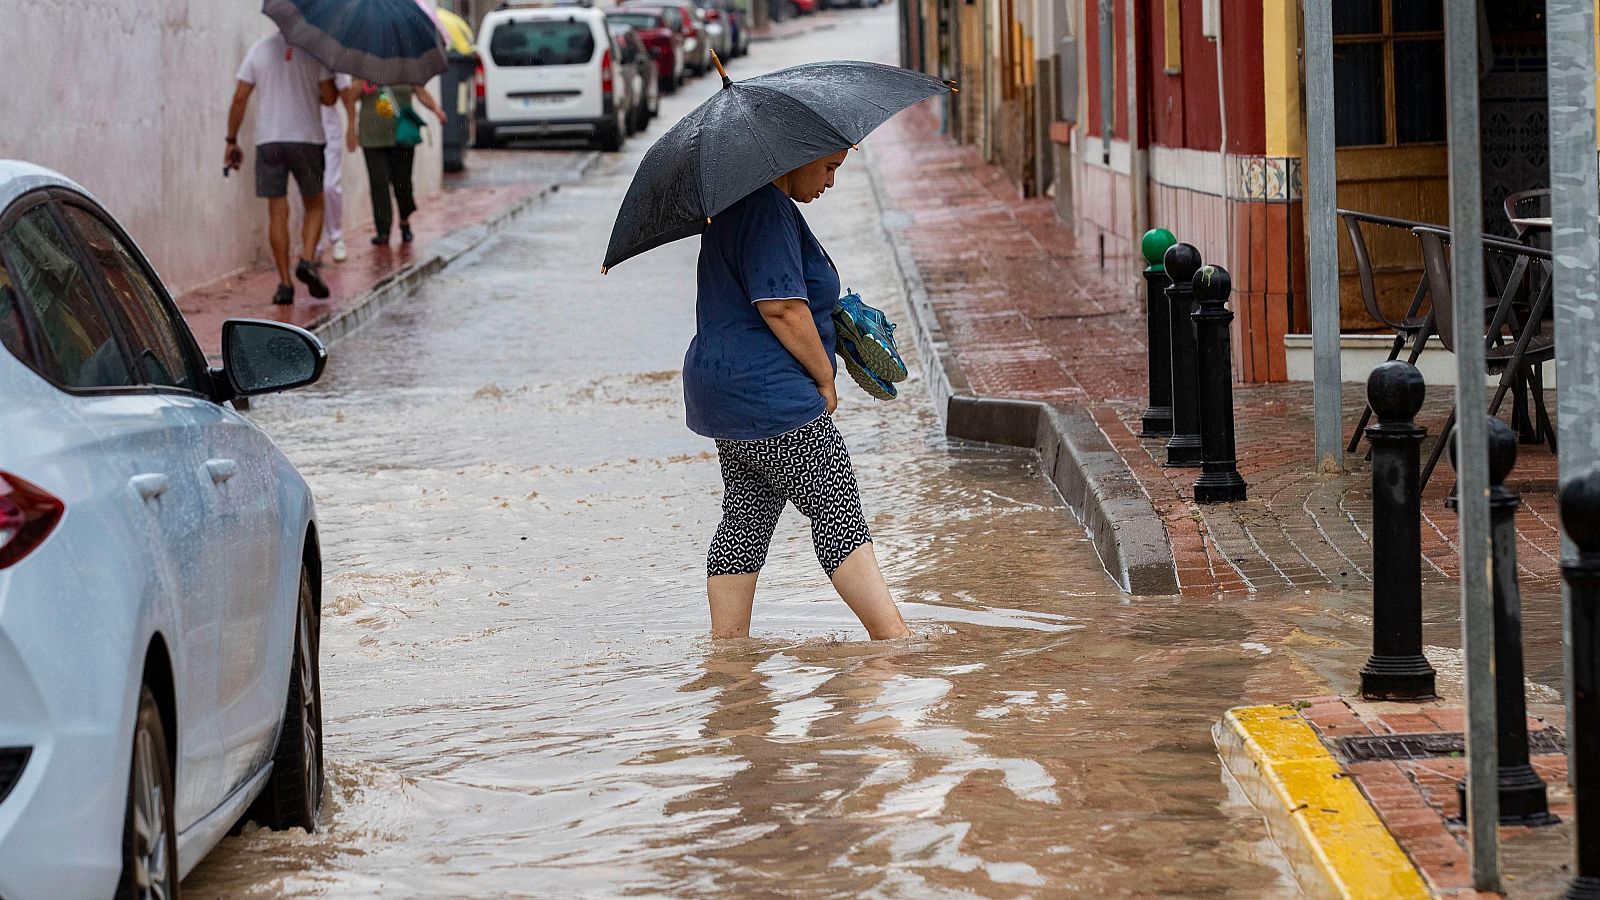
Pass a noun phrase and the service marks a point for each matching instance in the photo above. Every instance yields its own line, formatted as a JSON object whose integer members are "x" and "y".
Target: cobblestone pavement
{"x": 1031, "y": 314}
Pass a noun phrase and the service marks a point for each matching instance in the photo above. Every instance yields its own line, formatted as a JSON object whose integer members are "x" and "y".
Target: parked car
{"x": 644, "y": 86}
{"x": 719, "y": 25}
{"x": 664, "y": 44}
{"x": 682, "y": 17}
{"x": 160, "y": 578}
{"x": 550, "y": 71}
{"x": 739, "y": 21}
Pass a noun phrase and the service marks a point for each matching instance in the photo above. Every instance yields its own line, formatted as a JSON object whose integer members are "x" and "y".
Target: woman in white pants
{"x": 335, "y": 120}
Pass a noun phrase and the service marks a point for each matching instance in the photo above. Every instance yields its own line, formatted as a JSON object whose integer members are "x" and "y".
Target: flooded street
{"x": 520, "y": 697}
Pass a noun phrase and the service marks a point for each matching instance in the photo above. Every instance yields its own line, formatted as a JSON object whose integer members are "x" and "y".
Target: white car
{"x": 160, "y": 578}
{"x": 550, "y": 72}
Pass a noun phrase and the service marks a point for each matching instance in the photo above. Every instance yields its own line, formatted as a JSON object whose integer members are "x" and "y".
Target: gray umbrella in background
{"x": 749, "y": 133}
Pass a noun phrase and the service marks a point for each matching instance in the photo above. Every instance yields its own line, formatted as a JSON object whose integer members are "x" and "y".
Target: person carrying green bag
{"x": 388, "y": 130}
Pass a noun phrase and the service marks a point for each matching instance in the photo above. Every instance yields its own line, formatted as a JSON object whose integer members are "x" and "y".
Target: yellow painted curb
{"x": 1332, "y": 837}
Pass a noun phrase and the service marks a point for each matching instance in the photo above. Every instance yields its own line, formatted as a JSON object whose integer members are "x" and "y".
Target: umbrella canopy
{"x": 458, "y": 32}
{"x": 749, "y": 133}
{"x": 383, "y": 41}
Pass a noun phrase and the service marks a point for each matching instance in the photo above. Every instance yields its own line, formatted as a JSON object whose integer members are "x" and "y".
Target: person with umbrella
{"x": 758, "y": 378}
{"x": 389, "y": 153}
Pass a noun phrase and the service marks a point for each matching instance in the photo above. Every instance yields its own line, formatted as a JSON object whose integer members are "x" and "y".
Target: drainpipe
{"x": 1108, "y": 89}
{"x": 1138, "y": 159}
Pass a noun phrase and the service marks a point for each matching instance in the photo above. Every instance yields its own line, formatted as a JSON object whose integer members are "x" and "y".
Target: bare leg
{"x": 861, "y": 585}
{"x": 731, "y": 598}
{"x": 311, "y": 228}
{"x": 278, "y": 235}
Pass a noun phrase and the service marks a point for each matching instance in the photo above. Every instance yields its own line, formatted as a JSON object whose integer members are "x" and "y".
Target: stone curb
{"x": 440, "y": 253}
{"x": 1076, "y": 455}
{"x": 1334, "y": 841}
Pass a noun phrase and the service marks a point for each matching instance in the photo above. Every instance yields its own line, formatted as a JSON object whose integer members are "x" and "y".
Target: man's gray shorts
{"x": 277, "y": 161}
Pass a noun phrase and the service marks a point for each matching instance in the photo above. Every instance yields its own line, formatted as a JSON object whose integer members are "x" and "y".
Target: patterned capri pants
{"x": 808, "y": 467}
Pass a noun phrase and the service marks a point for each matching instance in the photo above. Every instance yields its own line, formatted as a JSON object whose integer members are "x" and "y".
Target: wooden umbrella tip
{"x": 717, "y": 61}
{"x": 604, "y": 269}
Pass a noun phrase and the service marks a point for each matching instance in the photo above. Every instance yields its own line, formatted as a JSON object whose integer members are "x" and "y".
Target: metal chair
{"x": 1415, "y": 327}
{"x": 1522, "y": 204}
{"x": 1524, "y": 354}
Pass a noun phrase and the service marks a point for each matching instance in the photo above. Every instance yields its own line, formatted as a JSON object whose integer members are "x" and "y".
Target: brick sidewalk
{"x": 494, "y": 182}
{"x": 1030, "y": 315}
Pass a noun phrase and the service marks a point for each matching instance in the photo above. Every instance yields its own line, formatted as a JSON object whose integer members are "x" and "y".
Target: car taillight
{"x": 477, "y": 81}
{"x": 28, "y": 514}
{"x": 713, "y": 14}
{"x": 605, "y": 73}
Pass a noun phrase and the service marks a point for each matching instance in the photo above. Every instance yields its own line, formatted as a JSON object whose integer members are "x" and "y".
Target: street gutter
{"x": 1075, "y": 455}
{"x": 439, "y": 254}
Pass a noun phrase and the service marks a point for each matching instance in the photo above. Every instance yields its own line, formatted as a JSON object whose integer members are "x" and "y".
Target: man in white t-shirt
{"x": 289, "y": 139}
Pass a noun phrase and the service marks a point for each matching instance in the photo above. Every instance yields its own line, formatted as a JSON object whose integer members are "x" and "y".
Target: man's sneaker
{"x": 339, "y": 252}
{"x": 284, "y": 295}
{"x": 872, "y": 334}
{"x": 869, "y": 382}
{"x": 307, "y": 272}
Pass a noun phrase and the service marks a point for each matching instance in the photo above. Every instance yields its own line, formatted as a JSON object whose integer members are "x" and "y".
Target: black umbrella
{"x": 383, "y": 41}
{"x": 749, "y": 133}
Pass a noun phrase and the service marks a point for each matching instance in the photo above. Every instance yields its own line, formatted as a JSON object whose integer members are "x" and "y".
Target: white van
{"x": 550, "y": 71}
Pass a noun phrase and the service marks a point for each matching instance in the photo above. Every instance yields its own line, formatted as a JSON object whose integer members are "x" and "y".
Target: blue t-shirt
{"x": 739, "y": 382}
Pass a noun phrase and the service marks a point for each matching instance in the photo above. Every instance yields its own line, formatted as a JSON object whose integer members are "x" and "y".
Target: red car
{"x": 684, "y": 18}
{"x": 664, "y": 43}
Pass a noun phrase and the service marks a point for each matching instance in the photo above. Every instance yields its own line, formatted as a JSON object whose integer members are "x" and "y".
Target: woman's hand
{"x": 792, "y": 322}
{"x": 830, "y": 395}
{"x": 351, "y": 141}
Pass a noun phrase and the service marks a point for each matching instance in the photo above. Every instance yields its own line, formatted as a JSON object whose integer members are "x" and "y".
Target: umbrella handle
{"x": 716, "y": 61}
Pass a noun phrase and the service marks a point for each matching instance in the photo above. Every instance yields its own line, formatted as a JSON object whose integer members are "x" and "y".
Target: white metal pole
{"x": 1575, "y": 242}
{"x": 1472, "y": 437}
{"x": 1323, "y": 238}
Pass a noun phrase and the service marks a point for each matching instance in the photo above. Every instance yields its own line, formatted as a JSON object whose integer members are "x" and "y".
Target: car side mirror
{"x": 261, "y": 357}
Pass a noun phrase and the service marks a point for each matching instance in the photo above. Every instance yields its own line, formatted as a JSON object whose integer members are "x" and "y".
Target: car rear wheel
{"x": 485, "y": 139}
{"x": 610, "y": 135}
{"x": 293, "y": 795}
{"x": 149, "y": 840}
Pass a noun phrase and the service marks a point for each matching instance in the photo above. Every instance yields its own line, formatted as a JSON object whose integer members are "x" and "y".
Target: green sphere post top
{"x": 1154, "y": 247}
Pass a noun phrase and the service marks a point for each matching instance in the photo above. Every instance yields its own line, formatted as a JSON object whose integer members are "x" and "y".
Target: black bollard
{"x": 1522, "y": 791}
{"x": 1397, "y": 670}
{"x": 1183, "y": 449}
{"x": 1157, "y": 419}
{"x": 1580, "y": 518}
{"x": 1219, "y": 481}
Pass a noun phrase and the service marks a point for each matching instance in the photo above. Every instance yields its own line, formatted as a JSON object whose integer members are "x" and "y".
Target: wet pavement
{"x": 521, "y": 699}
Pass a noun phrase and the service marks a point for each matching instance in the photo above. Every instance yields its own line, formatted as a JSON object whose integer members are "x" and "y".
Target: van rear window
{"x": 548, "y": 42}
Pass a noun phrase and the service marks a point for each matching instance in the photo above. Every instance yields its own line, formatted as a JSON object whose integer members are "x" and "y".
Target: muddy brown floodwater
{"x": 520, "y": 699}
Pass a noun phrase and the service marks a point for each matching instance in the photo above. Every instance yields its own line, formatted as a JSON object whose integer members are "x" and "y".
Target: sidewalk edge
{"x": 1334, "y": 841}
{"x": 1075, "y": 454}
{"x": 441, "y": 253}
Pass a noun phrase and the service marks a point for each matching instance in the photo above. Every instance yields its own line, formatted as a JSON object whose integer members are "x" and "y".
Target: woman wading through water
{"x": 759, "y": 379}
